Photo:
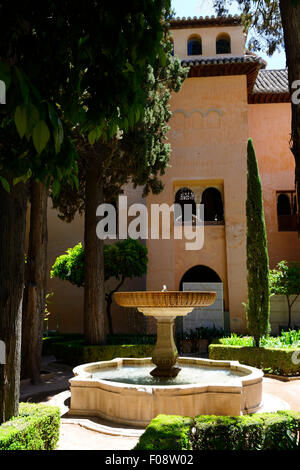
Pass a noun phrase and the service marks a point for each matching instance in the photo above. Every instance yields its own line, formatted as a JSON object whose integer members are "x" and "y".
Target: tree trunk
{"x": 109, "y": 301}
{"x": 290, "y": 15}
{"x": 94, "y": 292}
{"x": 12, "y": 251}
{"x": 35, "y": 286}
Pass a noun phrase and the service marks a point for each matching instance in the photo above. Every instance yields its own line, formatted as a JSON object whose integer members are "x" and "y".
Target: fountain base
{"x": 137, "y": 403}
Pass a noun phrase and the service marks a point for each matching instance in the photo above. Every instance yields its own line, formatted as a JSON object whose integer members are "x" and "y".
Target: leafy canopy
{"x": 125, "y": 259}
{"x": 285, "y": 280}
{"x": 261, "y": 19}
{"x": 72, "y": 62}
{"x": 137, "y": 155}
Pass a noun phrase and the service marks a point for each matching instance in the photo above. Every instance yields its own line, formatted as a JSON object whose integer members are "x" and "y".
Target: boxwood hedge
{"x": 271, "y": 360}
{"x": 77, "y": 352}
{"x": 265, "y": 431}
{"x": 36, "y": 428}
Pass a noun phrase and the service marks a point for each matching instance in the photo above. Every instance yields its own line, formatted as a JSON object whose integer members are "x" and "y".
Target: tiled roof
{"x": 205, "y": 21}
{"x": 221, "y": 60}
{"x": 272, "y": 81}
{"x": 222, "y": 66}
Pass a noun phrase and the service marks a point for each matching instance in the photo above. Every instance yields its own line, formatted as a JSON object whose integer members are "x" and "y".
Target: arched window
{"x": 223, "y": 44}
{"x": 283, "y": 205}
{"x": 287, "y": 211}
{"x": 213, "y": 205}
{"x": 194, "y": 46}
{"x": 185, "y": 198}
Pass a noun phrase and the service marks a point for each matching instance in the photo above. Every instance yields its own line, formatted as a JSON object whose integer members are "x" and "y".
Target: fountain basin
{"x": 135, "y": 404}
{"x": 165, "y": 306}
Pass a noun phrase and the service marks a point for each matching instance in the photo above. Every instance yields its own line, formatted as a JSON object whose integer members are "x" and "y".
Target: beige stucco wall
{"x": 209, "y": 130}
{"x": 269, "y": 126}
{"x": 208, "y": 137}
{"x": 208, "y": 36}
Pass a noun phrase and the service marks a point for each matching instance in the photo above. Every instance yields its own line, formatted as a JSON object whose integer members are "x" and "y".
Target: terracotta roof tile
{"x": 205, "y": 21}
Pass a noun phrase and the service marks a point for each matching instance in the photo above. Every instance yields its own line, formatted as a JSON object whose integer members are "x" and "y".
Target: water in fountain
{"x": 188, "y": 375}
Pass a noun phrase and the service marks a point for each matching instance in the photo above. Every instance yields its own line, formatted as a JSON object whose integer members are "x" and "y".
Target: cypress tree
{"x": 258, "y": 308}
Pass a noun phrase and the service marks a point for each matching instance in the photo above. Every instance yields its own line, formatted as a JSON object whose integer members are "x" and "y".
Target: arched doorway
{"x": 203, "y": 278}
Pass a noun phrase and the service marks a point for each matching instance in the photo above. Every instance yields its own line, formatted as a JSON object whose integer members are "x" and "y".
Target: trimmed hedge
{"x": 166, "y": 433}
{"x": 131, "y": 339}
{"x": 271, "y": 360}
{"x": 48, "y": 341}
{"x": 265, "y": 431}
{"x": 36, "y": 428}
{"x": 77, "y": 352}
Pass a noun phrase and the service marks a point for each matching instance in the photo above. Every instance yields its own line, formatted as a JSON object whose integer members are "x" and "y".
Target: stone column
{"x": 165, "y": 352}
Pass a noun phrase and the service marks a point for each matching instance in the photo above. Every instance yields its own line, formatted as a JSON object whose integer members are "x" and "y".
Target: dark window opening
{"x": 223, "y": 46}
{"x": 287, "y": 211}
{"x": 185, "y": 198}
{"x": 195, "y": 47}
{"x": 200, "y": 273}
{"x": 213, "y": 205}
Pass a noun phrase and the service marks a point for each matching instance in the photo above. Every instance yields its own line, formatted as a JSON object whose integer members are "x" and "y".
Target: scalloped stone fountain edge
{"x": 137, "y": 405}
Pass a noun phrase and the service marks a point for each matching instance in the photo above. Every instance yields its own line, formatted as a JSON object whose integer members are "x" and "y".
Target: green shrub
{"x": 77, "y": 352}
{"x": 271, "y": 360}
{"x": 287, "y": 339}
{"x": 131, "y": 339}
{"x": 265, "y": 431}
{"x": 36, "y": 428}
{"x": 227, "y": 433}
{"x": 166, "y": 433}
{"x": 48, "y": 341}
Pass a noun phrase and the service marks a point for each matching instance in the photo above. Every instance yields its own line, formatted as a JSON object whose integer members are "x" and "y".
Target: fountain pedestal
{"x": 165, "y": 353}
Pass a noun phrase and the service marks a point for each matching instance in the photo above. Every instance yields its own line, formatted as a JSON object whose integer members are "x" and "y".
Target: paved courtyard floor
{"x": 78, "y": 433}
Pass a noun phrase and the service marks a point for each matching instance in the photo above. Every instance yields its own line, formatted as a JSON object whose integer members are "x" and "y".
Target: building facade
{"x": 229, "y": 96}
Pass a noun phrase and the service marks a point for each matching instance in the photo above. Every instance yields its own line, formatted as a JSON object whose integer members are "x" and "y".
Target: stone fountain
{"x": 132, "y": 391}
{"x": 165, "y": 306}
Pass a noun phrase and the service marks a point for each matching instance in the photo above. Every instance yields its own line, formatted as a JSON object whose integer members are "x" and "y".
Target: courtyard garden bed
{"x": 36, "y": 428}
{"x": 265, "y": 431}
{"x": 276, "y": 355}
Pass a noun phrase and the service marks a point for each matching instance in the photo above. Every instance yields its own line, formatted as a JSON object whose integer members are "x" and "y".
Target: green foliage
{"x": 227, "y": 433}
{"x": 166, "y": 432}
{"x": 262, "y": 19}
{"x": 70, "y": 267}
{"x": 78, "y": 352}
{"x": 125, "y": 259}
{"x": 36, "y": 428}
{"x": 73, "y": 63}
{"x": 131, "y": 339}
{"x": 269, "y": 359}
{"x": 264, "y": 431}
{"x": 140, "y": 152}
{"x": 285, "y": 280}
{"x": 236, "y": 340}
{"x": 287, "y": 339}
{"x": 258, "y": 308}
